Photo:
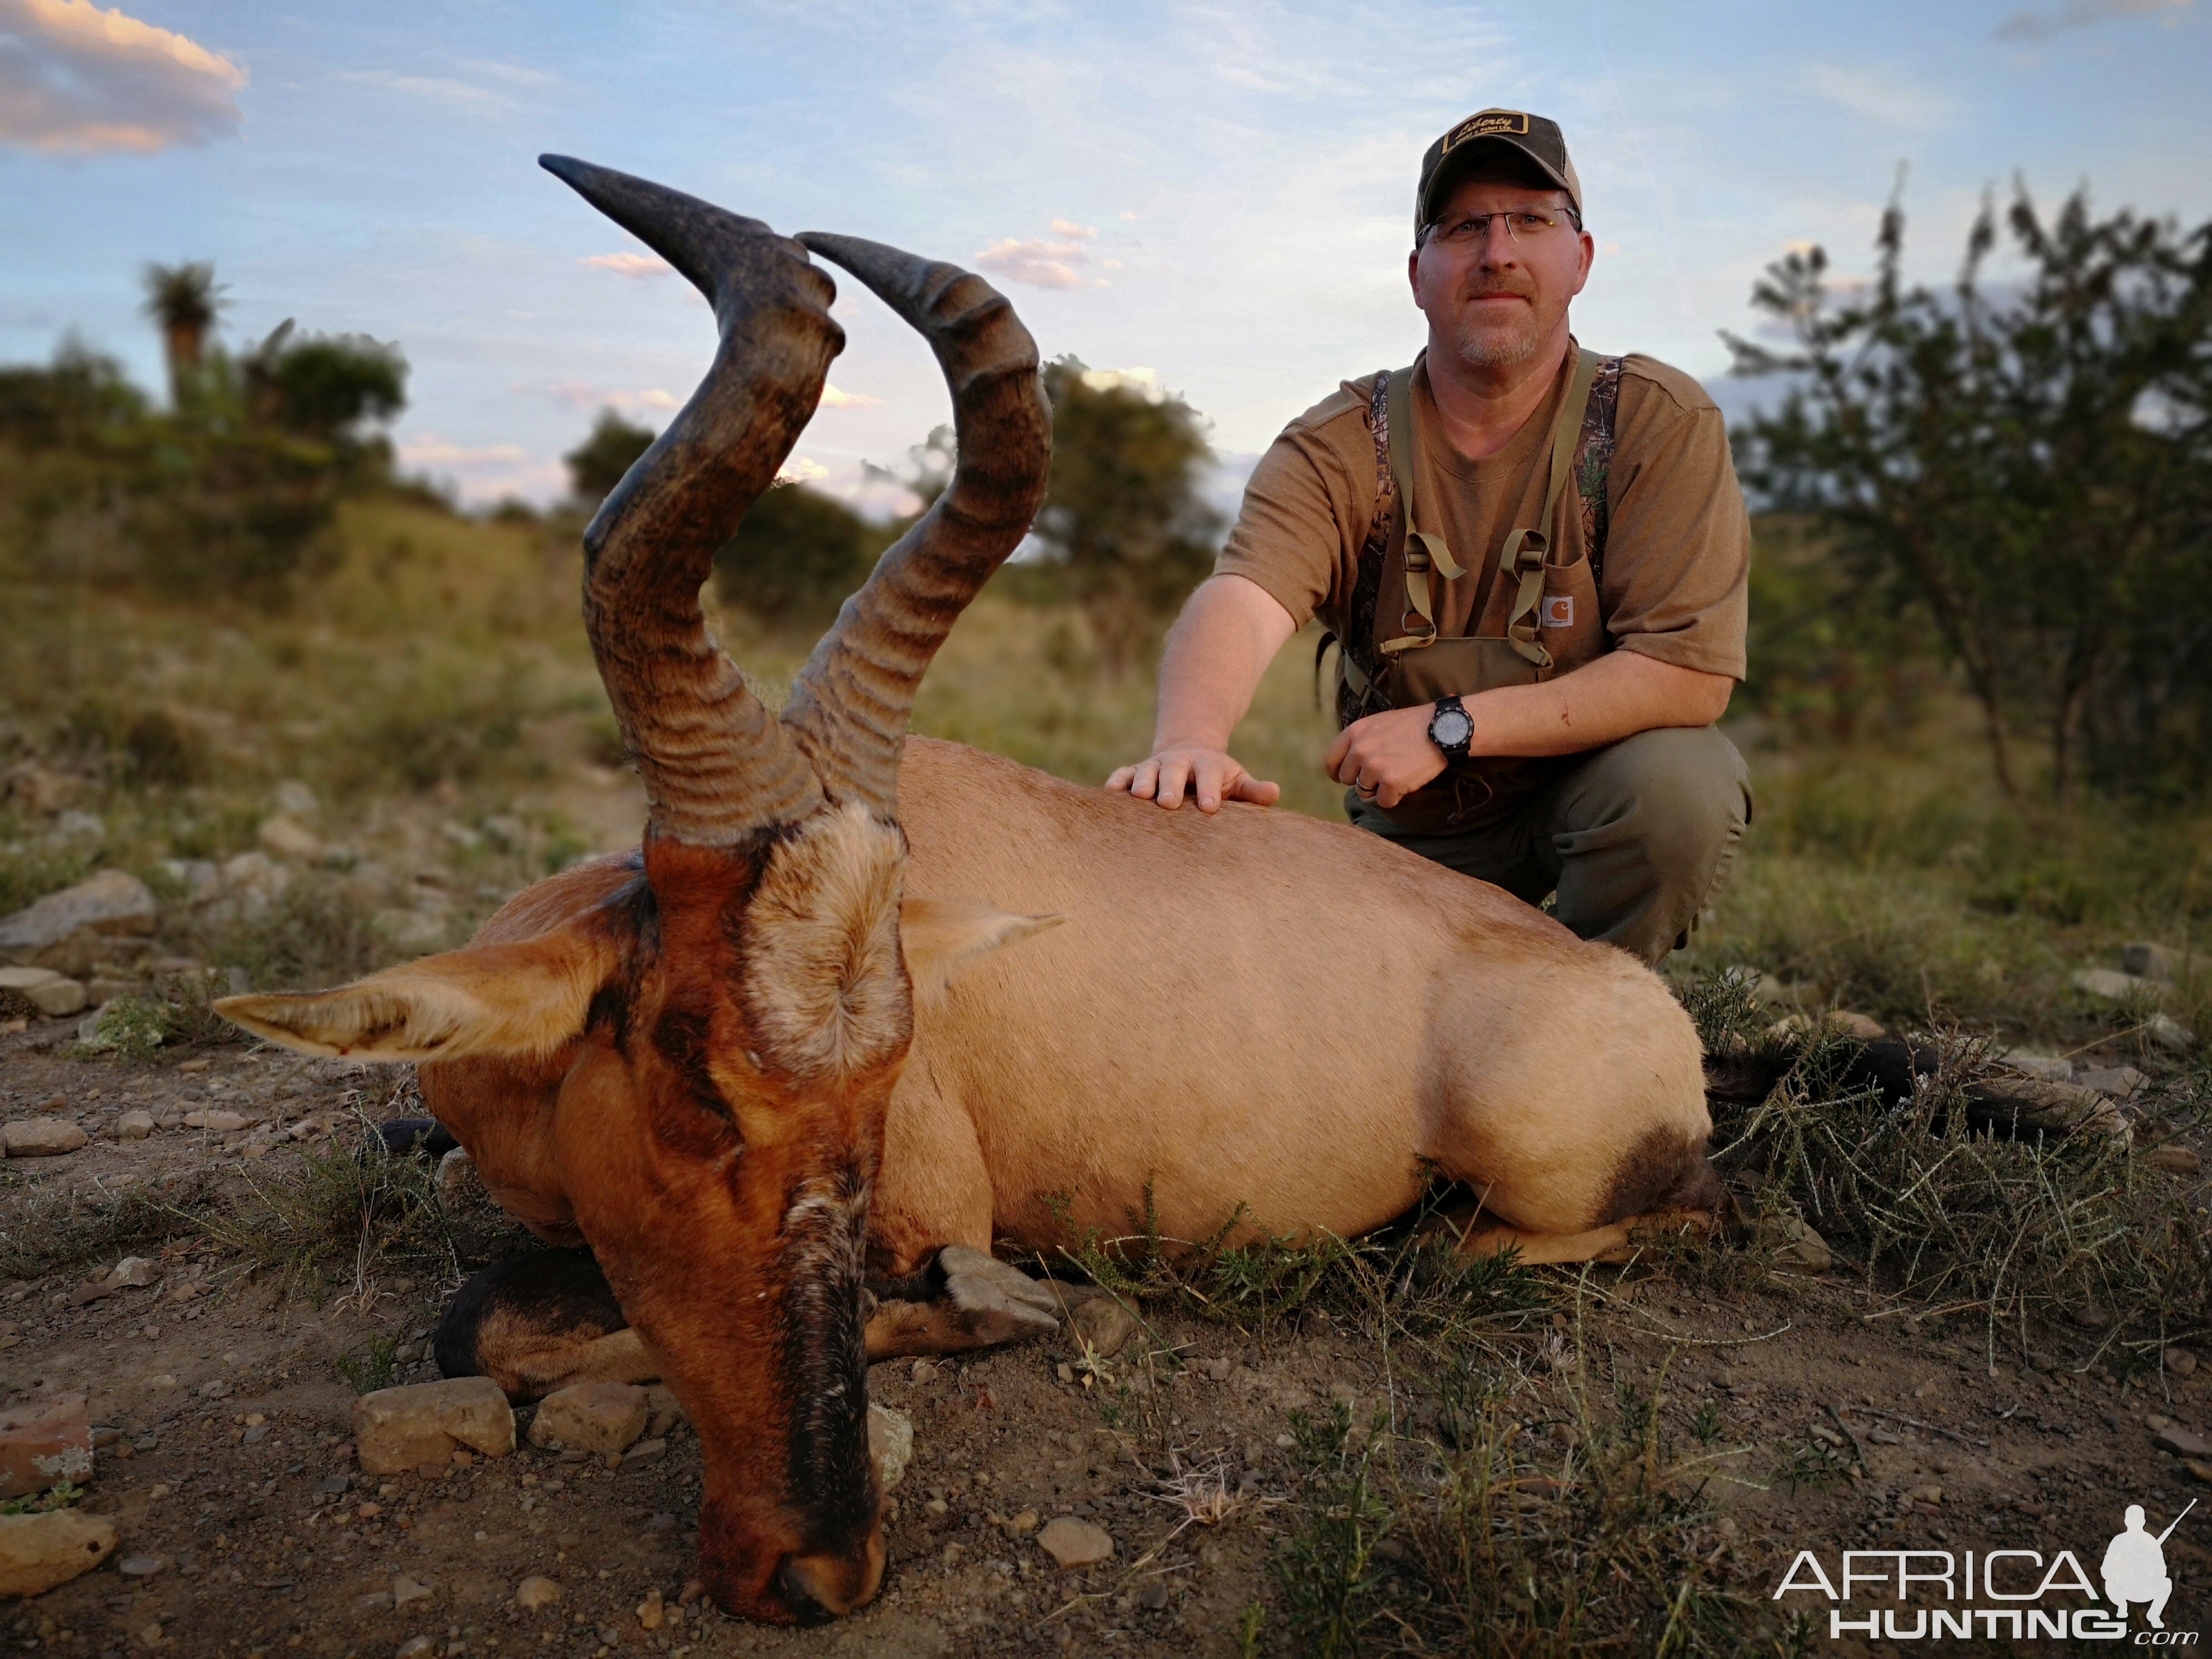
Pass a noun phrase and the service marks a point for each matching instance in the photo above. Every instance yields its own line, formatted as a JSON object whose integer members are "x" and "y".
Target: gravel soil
{"x": 248, "y": 1529}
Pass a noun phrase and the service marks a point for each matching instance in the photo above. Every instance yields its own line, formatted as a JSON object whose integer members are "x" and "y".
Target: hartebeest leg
{"x": 540, "y": 1323}
{"x": 966, "y": 1299}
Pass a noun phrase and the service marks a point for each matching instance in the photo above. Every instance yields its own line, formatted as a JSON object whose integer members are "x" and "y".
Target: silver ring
{"x": 1365, "y": 791}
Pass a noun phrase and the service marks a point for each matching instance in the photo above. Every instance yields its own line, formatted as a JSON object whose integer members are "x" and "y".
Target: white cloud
{"x": 1069, "y": 228}
{"x": 73, "y": 76}
{"x": 582, "y": 394}
{"x": 1885, "y": 97}
{"x": 1039, "y": 263}
{"x": 431, "y": 450}
{"x": 1145, "y": 381}
{"x": 833, "y": 399}
{"x": 630, "y": 265}
{"x": 2080, "y": 13}
{"x": 461, "y": 94}
{"x": 800, "y": 470}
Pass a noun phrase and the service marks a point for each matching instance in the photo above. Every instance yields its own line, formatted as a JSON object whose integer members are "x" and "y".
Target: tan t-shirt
{"x": 1677, "y": 550}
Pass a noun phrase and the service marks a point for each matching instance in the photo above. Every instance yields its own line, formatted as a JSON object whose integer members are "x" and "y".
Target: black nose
{"x": 793, "y": 1579}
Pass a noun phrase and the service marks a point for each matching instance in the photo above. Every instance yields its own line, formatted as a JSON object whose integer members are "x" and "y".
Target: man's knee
{"x": 1682, "y": 792}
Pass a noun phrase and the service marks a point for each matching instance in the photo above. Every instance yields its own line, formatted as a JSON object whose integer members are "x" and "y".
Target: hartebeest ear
{"x": 524, "y": 999}
{"x": 942, "y": 936}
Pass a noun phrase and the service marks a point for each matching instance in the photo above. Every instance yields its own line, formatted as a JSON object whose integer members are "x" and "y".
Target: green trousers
{"x": 1635, "y": 838}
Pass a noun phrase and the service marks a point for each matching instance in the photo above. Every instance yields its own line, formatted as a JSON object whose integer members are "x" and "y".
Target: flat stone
{"x": 288, "y": 838}
{"x": 403, "y": 1428}
{"x": 134, "y": 1273}
{"x": 218, "y": 1121}
{"x": 667, "y": 1411}
{"x": 1105, "y": 1323}
{"x": 26, "y": 979}
{"x": 71, "y": 930}
{"x": 645, "y": 1451}
{"x": 2170, "y": 1033}
{"x": 2047, "y": 1068}
{"x": 416, "y": 1647}
{"x": 43, "y": 1444}
{"x": 41, "y": 1137}
{"x": 1793, "y": 1247}
{"x": 591, "y": 1417}
{"x": 2174, "y": 1159}
{"x": 141, "y": 1566}
{"x": 2181, "y": 1443}
{"x": 2108, "y": 985}
{"x": 1074, "y": 1543}
{"x": 2118, "y": 1082}
{"x": 38, "y": 1551}
{"x": 536, "y": 1591}
{"x": 891, "y": 1442}
{"x": 405, "y": 1589}
{"x": 58, "y": 998}
{"x": 2147, "y": 960}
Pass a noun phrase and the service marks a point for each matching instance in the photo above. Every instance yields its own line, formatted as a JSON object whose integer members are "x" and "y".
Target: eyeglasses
{"x": 1523, "y": 226}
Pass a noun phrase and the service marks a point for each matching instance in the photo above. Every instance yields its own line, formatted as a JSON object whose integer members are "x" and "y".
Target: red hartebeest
{"x": 766, "y": 1064}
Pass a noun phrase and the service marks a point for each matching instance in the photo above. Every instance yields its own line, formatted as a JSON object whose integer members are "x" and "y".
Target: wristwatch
{"x": 1451, "y": 728}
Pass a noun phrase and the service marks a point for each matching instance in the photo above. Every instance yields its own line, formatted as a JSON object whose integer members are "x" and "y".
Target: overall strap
{"x": 1525, "y": 550}
{"x": 1523, "y": 555}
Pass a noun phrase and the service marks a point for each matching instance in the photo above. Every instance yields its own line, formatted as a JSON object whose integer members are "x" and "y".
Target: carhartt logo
{"x": 1488, "y": 126}
{"x": 1558, "y": 610}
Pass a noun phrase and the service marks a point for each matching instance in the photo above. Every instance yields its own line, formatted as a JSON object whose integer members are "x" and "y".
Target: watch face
{"x": 1451, "y": 728}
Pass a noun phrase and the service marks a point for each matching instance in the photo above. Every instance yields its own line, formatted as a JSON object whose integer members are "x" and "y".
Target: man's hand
{"x": 1214, "y": 775}
{"x": 1386, "y": 757}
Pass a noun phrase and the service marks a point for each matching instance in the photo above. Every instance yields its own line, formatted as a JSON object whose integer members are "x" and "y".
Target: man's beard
{"x": 1486, "y": 342}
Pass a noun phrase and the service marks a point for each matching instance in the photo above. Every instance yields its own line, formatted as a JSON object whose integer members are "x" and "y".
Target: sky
{"x": 1219, "y": 194}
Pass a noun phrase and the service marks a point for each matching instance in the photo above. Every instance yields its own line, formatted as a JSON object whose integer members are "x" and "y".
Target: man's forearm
{"x": 1622, "y": 693}
{"x": 1228, "y": 634}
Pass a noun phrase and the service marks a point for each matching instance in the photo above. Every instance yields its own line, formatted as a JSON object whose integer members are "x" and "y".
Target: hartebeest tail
{"x": 690, "y": 1069}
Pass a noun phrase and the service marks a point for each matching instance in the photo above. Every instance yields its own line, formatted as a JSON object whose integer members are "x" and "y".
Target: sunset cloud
{"x": 833, "y": 399}
{"x": 1039, "y": 263}
{"x": 630, "y": 265}
{"x": 75, "y": 77}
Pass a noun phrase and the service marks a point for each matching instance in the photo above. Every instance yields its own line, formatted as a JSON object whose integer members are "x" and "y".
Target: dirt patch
{"x": 1801, "y": 1413}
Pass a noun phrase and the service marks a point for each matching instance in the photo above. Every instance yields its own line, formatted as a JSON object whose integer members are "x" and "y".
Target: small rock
{"x": 368, "y": 1606}
{"x": 1023, "y": 1524}
{"x": 650, "y": 1613}
{"x": 402, "y": 1428}
{"x": 218, "y": 1122}
{"x": 1925, "y": 1494}
{"x": 1072, "y": 1543}
{"x": 59, "y": 997}
{"x": 591, "y": 1417}
{"x": 71, "y": 930}
{"x": 100, "y": 990}
{"x": 660, "y": 1525}
{"x": 535, "y": 1592}
{"x": 134, "y": 1273}
{"x": 645, "y": 1451}
{"x": 667, "y": 1411}
{"x": 2198, "y": 1468}
{"x": 2047, "y": 1068}
{"x": 1864, "y": 1027}
{"x": 1219, "y": 1368}
{"x": 140, "y": 1566}
{"x": 2181, "y": 1443}
{"x": 2091, "y": 1317}
{"x": 38, "y": 1551}
{"x": 890, "y": 1443}
{"x": 2147, "y": 960}
{"x": 2180, "y": 1362}
{"x": 405, "y": 1589}
{"x": 2170, "y": 1033}
{"x": 1793, "y": 1246}
{"x": 2174, "y": 1159}
{"x": 2118, "y": 1082}
{"x": 1105, "y": 1323}
{"x": 134, "y": 1126}
{"x": 2109, "y": 987}
{"x": 41, "y": 1137}
{"x": 1153, "y": 1595}
{"x": 457, "y": 1177}
{"x": 290, "y": 839}
{"x": 416, "y": 1647}
{"x": 43, "y": 1444}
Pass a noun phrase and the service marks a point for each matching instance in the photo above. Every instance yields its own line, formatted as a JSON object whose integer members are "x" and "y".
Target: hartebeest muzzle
{"x": 717, "y": 1041}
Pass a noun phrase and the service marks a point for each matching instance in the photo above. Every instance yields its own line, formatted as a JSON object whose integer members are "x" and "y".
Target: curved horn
{"x": 849, "y": 709}
{"x": 717, "y": 765}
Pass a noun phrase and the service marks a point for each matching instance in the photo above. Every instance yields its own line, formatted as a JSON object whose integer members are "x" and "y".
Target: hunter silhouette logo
{"x": 2135, "y": 1566}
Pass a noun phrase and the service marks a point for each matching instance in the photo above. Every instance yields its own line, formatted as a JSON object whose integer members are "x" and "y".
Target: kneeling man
{"x": 1532, "y": 559}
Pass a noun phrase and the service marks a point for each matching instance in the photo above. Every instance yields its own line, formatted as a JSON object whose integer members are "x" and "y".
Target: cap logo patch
{"x": 1489, "y": 126}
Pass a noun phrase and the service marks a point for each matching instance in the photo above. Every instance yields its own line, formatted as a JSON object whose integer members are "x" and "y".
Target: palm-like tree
{"x": 183, "y": 302}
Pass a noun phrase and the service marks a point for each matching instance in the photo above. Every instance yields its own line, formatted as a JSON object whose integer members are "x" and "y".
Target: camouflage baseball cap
{"x": 1535, "y": 137}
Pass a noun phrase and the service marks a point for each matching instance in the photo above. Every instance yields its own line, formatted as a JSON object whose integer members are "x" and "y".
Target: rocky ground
{"x": 245, "y": 1526}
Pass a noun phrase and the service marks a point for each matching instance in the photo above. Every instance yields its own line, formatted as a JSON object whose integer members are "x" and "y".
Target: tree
{"x": 2030, "y": 463}
{"x": 795, "y": 557}
{"x": 183, "y": 301}
{"x": 324, "y": 386}
{"x": 1122, "y": 513}
{"x": 597, "y": 464}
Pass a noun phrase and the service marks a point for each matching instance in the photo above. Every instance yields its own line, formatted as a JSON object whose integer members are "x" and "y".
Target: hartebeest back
{"x": 737, "y": 1062}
